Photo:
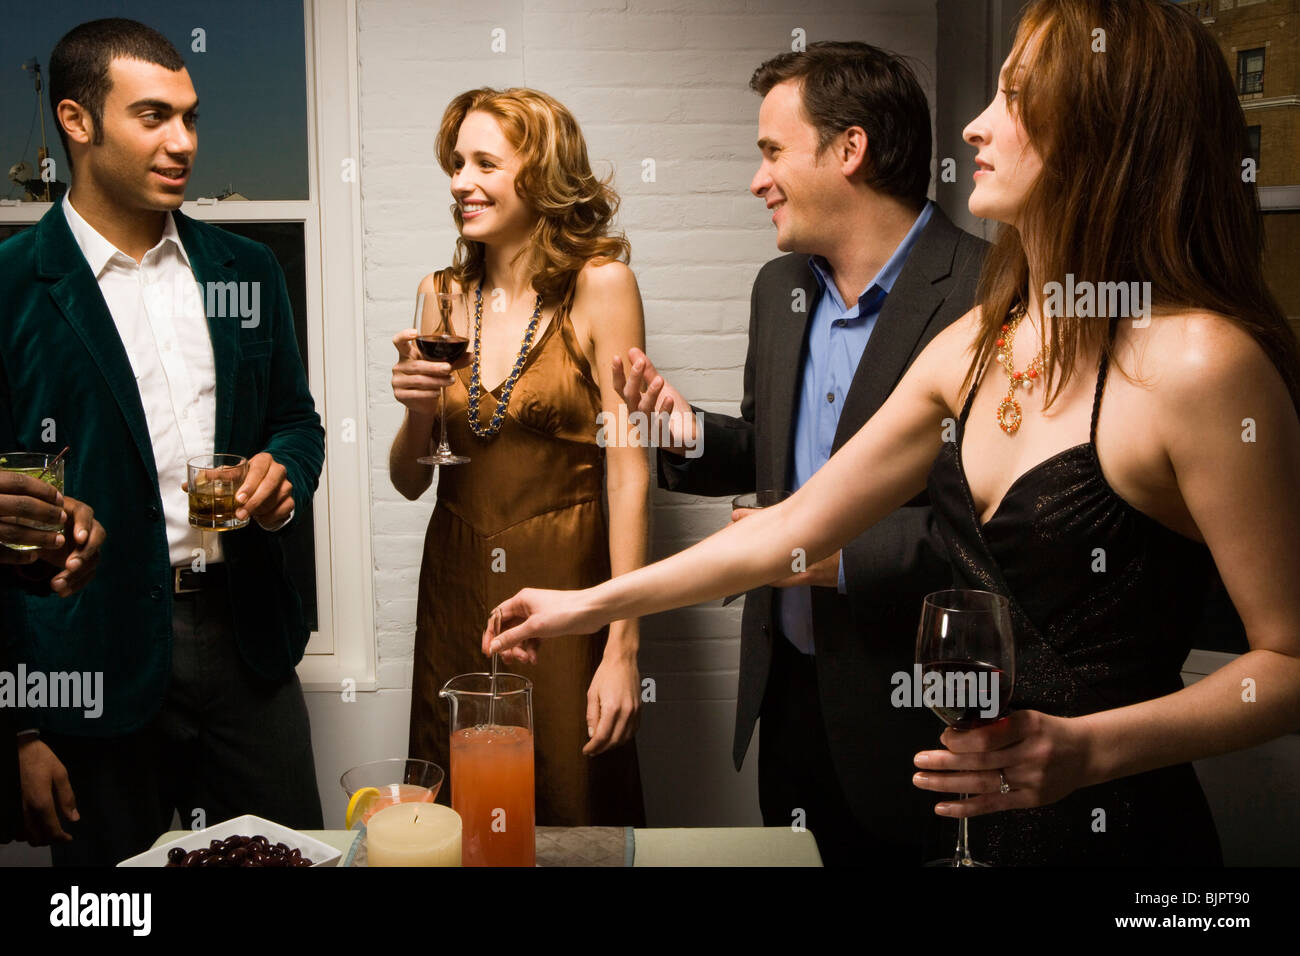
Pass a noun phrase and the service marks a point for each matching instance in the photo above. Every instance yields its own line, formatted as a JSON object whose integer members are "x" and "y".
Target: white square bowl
{"x": 321, "y": 854}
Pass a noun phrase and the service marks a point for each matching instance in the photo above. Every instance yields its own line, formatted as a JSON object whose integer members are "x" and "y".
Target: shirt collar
{"x": 99, "y": 251}
{"x": 888, "y": 274}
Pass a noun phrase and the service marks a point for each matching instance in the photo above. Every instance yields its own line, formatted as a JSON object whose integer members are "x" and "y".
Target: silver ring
{"x": 1004, "y": 787}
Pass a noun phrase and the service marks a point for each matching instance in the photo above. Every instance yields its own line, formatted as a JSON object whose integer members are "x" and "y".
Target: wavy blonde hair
{"x": 575, "y": 209}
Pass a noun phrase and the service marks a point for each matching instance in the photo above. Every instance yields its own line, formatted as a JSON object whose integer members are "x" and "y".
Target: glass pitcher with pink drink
{"x": 492, "y": 767}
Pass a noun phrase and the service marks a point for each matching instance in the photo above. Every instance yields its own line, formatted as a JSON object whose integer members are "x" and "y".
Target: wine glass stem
{"x": 442, "y": 414}
{"x": 961, "y": 856}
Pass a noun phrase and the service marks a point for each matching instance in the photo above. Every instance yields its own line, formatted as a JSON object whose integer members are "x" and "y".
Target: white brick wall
{"x": 665, "y": 80}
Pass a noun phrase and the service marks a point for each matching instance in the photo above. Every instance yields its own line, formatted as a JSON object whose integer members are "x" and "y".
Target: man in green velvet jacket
{"x": 201, "y": 710}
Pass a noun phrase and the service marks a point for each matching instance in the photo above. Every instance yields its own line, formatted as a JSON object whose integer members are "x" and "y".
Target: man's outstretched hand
{"x": 645, "y": 390}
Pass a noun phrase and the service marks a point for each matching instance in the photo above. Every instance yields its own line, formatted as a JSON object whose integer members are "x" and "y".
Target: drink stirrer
{"x": 492, "y": 695}
{"x": 57, "y": 459}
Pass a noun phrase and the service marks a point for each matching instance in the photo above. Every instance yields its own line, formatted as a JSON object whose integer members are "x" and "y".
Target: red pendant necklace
{"x": 1009, "y": 416}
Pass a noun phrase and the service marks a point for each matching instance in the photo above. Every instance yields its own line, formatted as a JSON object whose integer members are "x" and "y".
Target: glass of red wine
{"x": 436, "y": 318}
{"x": 966, "y": 651}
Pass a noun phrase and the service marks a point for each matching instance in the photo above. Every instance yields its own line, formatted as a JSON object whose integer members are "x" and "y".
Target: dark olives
{"x": 241, "y": 851}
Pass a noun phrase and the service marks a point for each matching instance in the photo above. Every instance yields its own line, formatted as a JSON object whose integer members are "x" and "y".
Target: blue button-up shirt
{"x": 837, "y": 337}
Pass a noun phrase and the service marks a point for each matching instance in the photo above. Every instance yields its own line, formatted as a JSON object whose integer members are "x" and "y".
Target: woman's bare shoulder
{"x": 428, "y": 287}
{"x": 607, "y": 304}
{"x": 606, "y": 276}
{"x": 1183, "y": 354}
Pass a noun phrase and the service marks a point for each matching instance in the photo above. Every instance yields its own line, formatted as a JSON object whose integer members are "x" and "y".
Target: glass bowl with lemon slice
{"x": 383, "y": 783}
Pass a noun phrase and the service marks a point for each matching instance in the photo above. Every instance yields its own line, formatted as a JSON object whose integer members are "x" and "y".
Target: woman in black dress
{"x": 1127, "y": 426}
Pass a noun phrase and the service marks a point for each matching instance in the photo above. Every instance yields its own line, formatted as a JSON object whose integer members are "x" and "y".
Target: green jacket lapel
{"x": 76, "y": 293}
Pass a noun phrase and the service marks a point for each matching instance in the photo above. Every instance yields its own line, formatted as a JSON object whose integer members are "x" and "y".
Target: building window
{"x": 1250, "y": 71}
{"x": 1252, "y": 144}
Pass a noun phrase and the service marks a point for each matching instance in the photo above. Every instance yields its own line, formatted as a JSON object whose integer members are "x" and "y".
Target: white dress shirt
{"x": 158, "y": 310}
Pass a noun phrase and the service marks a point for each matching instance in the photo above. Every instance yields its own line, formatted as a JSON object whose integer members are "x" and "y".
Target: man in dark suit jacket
{"x": 104, "y": 345}
{"x": 817, "y": 655}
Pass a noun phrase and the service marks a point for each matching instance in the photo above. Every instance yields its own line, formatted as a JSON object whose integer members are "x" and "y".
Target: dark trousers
{"x": 796, "y": 772}
{"x": 225, "y": 743}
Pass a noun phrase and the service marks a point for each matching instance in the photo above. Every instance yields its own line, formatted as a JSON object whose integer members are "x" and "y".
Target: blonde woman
{"x": 550, "y": 301}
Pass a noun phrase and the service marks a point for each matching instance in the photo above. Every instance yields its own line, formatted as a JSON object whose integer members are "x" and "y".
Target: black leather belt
{"x": 188, "y": 581}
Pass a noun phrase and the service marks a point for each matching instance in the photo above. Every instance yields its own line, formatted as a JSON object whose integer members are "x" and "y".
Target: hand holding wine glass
{"x": 965, "y": 649}
{"x": 1040, "y": 757}
{"x": 437, "y": 317}
{"x": 416, "y": 380}
{"x": 428, "y": 353}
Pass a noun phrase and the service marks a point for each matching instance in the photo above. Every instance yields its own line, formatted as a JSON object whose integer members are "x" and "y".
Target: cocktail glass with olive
{"x": 42, "y": 467}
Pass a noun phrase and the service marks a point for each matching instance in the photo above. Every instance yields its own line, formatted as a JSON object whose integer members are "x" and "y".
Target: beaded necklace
{"x": 1009, "y": 416}
{"x": 475, "y": 384}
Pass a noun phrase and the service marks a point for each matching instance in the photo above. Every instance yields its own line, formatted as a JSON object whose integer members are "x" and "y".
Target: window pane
{"x": 1250, "y": 71}
{"x": 250, "y": 77}
{"x": 286, "y": 241}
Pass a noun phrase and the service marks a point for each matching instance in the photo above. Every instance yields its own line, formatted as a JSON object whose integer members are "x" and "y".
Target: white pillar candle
{"x": 414, "y": 834}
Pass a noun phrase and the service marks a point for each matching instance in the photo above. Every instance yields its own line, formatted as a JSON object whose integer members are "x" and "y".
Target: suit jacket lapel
{"x": 211, "y": 259}
{"x": 918, "y": 293}
{"x": 76, "y": 292}
{"x": 783, "y": 365}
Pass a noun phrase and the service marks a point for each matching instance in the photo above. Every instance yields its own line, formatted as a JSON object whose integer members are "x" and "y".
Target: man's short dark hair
{"x": 856, "y": 84}
{"x": 80, "y": 61}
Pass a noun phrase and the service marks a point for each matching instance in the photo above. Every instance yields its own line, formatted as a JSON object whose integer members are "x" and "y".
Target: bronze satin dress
{"x": 536, "y": 492}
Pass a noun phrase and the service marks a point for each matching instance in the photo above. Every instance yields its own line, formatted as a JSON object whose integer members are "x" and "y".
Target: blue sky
{"x": 251, "y": 85}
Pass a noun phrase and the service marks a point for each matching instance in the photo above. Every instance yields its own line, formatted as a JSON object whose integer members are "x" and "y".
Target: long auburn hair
{"x": 1142, "y": 149}
{"x": 575, "y": 209}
